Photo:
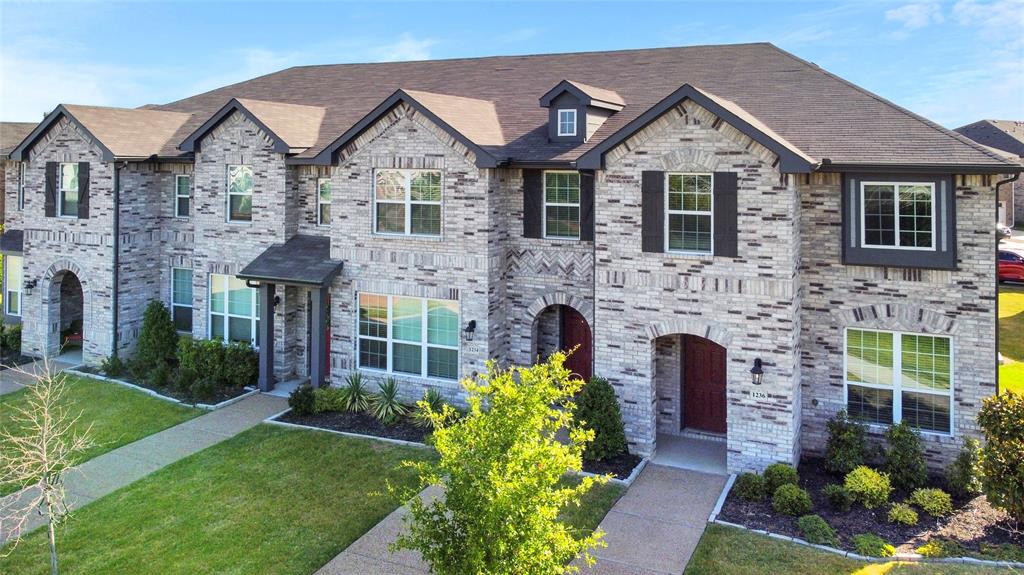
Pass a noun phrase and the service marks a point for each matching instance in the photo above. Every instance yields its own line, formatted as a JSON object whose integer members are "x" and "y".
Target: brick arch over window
{"x": 711, "y": 331}
{"x": 560, "y": 298}
{"x": 896, "y": 317}
{"x": 690, "y": 159}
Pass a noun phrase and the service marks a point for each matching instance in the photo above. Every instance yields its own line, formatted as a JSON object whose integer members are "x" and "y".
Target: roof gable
{"x": 292, "y": 127}
{"x": 586, "y": 94}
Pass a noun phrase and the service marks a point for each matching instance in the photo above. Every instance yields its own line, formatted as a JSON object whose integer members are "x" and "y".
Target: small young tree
{"x": 36, "y": 452}
{"x": 502, "y": 469}
{"x": 1002, "y": 475}
{"x": 158, "y": 340}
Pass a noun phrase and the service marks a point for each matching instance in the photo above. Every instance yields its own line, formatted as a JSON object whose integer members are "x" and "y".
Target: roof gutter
{"x": 827, "y": 166}
{"x": 1011, "y": 179}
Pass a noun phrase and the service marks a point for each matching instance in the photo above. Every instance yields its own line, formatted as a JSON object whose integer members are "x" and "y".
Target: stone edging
{"x": 273, "y": 420}
{"x": 152, "y": 393}
{"x": 624, "y": 482}
{"x": 906, "y": 557}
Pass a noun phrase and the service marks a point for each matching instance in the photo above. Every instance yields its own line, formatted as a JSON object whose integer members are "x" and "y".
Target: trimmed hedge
{"x": 903, "y": 514}
{"x": 779, "y": 474}
{"x": 933, "y": 501}
{"x": 838, "y": 497}
{"x": 868, "y": 487}
{"x": 871, "y": 545}
{"x": 816, "y": 530}
{"x": 751, "y": 487}
{"x": 790, "y": 499}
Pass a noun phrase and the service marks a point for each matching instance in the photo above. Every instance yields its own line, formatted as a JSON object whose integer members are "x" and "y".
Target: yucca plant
{"x": 385, "y": 405}
{"x": 433, "y": 399}
{"x": 355, "y": 397}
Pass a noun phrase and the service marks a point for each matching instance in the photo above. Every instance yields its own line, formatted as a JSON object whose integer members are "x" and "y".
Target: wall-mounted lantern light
{"x": 30, "y": 284}
{"x": 469, "y": 330}
{"x": 756, "y": 372}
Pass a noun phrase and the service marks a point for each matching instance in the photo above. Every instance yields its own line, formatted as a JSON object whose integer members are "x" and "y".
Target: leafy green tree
{"x": 1002, "y": 475}
{"x": 502, "y": 467}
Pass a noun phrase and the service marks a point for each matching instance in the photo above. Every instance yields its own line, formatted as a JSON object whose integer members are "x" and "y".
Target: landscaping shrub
{"x": 598, "y": 409}
{"x": 903, "y": 514}
{"x": 871, "y": 545}
{"x": 113, "y": 366}
{"x": 790, "y": 499}
{"x": 302, "y": 400}
{"x": 10, "y": 338}
{"x": 158, "y": 341}
{"x": 941, "y": 548}
{"x": 816, "y": 530}
{"x": 1002, "y": 475}
{"x": 328, "y": 399}
{"x": 778, "y": 474}
{"x": 432, "y": 402}
{"x": 868, "y": 487}
{"x": 904, "y": 460}
{"x": 240, "y": 367}
{"x": 934, "y": 502}
{"x": 385, "y": 405}
{"x": 160, "y": 376}
{"x": 200, "y": 364}
{"x": 201, "y": 390}
{"x": 847, "y": 446}
{"x": 962, "y": 475}
{"x": 1002, "y": 552}
{"x": 356, "y": 397}
{"x": 751, "y": 487}
{"x": 838, "y": 497}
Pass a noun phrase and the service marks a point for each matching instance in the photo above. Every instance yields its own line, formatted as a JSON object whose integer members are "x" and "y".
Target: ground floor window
{"x": 181, "y": 299}
{"x": 894, "y": 377}
{"x": 12, "y": 291}
{"x": 234, "y": 310}
{"x": 409, "y": 335}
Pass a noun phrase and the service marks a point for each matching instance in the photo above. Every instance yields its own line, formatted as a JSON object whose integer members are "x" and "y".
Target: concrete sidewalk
{"x": 12, "y": 380}
{"x": 652, "y": 530}
{"x": 115, "y": 469}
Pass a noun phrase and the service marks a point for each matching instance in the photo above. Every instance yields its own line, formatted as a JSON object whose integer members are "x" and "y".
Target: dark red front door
{"x": 703, "y": 384}
{"x": 576, "y": 332}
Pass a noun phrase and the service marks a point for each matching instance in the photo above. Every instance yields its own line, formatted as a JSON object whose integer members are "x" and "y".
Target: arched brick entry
{"x": 64, "y": 306}
{"x": 560, "y": 322}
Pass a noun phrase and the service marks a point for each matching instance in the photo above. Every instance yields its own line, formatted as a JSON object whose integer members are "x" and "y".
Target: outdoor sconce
{"x": 277, "y": 300}
{"x": 470, "y": 330}
{"x": 756, "y": 372}
{"x": 30, "y": 284}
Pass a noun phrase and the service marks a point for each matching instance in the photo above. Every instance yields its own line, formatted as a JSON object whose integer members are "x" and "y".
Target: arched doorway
{"x": 66, "y": 307}
{"x": 690, "y": 377}
{"x": 563, "y": 328}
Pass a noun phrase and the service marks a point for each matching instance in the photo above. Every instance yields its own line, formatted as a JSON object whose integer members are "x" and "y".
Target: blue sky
{"x": 954, "y": 62}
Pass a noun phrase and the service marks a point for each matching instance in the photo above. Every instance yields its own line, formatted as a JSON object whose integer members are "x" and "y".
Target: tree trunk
{"x": 53, "y": 541}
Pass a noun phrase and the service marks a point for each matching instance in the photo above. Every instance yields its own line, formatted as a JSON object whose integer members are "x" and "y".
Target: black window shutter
{"x": 652, "y": 211}
{"x": 726, "y": 214}
{"x": 50, "y": 199}
{"x": 83, "y": 190}
{"x": 533, "y": 203}
{"x": 587, "y": 206}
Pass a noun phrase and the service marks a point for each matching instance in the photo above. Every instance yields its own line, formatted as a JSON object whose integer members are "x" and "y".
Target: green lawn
{"x": 118, "y": 415}
{"x": 1011, "y": 337}
{"x": 730, "y": 551}
{"x": 593, "y": 508}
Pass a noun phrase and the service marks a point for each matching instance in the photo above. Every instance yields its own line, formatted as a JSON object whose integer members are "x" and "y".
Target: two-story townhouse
{"x": 741, "y": 242}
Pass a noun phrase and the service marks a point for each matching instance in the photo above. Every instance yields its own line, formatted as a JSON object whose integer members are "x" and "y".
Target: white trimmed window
{"x": 181, "y": 299}
{"x": 12, "y": 286}
{"x": 894, "y": 377}
{"x": 562, "y": 205}
{"x": 182, "y": 195}
{"x": 21, "y": 185}
{"x": 567, "y": 122}
{"x": 240, "y": 180}
{"x": 408, "y": 335}
{"x": 234, "y": 310}
{"x": 898, "y": 215}
{"x": 323, "y": 202}
{"x": 68, "y": 204}
{"x": 407, "y": 202}
{"x": 689, "y": 217}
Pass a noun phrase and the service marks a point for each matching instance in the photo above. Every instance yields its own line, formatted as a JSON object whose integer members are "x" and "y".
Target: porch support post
{"x": 265, "y": 337}
{"x": 318, "y": 342}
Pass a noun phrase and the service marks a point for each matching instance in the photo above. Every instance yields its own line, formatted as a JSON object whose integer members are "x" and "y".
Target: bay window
{"x": 407, "y": 202}
{"x": 407, "y": 335}
{"x": 234, "y": 310}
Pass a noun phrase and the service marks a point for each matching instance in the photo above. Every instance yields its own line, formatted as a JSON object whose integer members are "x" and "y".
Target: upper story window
{"x": 182, "y": 195}
{"x": 68, "y": 189}
{"x": 567, "y": 122}
{"x": 562, "y": 205}
{"x": 407, "y": 202}
{"x": 323, "y": 202}
{"x": 689, "y": 219}
{"x": 409, "y": 335}
{"x": 181, "y": 299}
{"x": 240, "y": 183}
{"x": 898, "y": 215}
{"x": 12, "y": 287}
{"x": 21, "y": 185}
{"x": 234, "y": 310}
{"x": 894, "y": 377}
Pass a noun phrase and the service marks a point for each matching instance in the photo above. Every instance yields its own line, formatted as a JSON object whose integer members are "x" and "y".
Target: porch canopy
{"x": 303, "y": 261}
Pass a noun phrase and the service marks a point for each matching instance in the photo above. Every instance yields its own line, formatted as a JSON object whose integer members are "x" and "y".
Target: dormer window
{"x": 567, "y": 122}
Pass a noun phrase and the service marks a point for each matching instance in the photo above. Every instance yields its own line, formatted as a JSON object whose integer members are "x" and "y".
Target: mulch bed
{"x": 9, "y": 360}
{"x": 360, "y": 423}
{"x": 973, "y": 522}
{"x": 620, "y": 466}
{"x": 218, "y": 396}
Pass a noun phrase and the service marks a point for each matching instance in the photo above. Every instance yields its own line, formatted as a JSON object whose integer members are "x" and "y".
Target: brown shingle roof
{"x": 599, "y": 93}
{"x": 1005, "y": 135}
{"x": 474, "y": 119}
{"x": 12, "y": 133}
{"x": 129, "y": 133}
{"x": 296, "y": 124}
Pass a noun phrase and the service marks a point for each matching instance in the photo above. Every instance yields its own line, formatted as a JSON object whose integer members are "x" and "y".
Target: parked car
{"x": 1011, "y": 266}
{"x": 1002, "y": 231}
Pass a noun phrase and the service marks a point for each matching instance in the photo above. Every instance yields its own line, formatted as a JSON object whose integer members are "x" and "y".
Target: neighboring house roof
{"x": 12, "y": 133}
{"x": 293, "y": 127}
{"x": 804, "y": 108}
{"x": 302, "y": 260}
{"x": 120, "y": 133}
{"x": 1006, "y": 135}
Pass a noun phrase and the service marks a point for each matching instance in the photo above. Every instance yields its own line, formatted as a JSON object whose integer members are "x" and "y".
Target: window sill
{"x": 882, "y": 428}
{"x": 690, "y": 255}
{"x": 562, "y": 239}
{"x": 407, "y": 236}
{"x": 398, "y": 374}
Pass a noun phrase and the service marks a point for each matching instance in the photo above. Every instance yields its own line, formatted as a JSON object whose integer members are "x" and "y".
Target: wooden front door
{"x": 576, "y": 332}
{"x": 703, "y": 384}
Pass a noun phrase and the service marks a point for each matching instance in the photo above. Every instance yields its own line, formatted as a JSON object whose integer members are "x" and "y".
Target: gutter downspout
{"x": 1011, "y": 179}
{"x": 115, "y": 276}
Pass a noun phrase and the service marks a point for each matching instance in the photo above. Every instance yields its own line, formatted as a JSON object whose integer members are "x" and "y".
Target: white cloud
{"x": 405, "y": 48}
{"x": 917, "y": 15}
{"x": 1003, "y": 16}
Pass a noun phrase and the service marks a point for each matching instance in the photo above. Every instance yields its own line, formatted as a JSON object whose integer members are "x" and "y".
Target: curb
{"x": 624, "y": 482}
{"x": 152, "y": 393}
{"x": 273, "y": 421}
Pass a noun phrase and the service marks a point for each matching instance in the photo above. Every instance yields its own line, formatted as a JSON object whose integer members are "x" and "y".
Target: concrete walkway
{"x": 652, "y": 530}
{"x": 115, "y": 469}
{"x": 12, "y": 380}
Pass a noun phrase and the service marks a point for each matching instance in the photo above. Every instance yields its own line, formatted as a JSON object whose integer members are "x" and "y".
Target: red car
{"x": 1011, "y": 266}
